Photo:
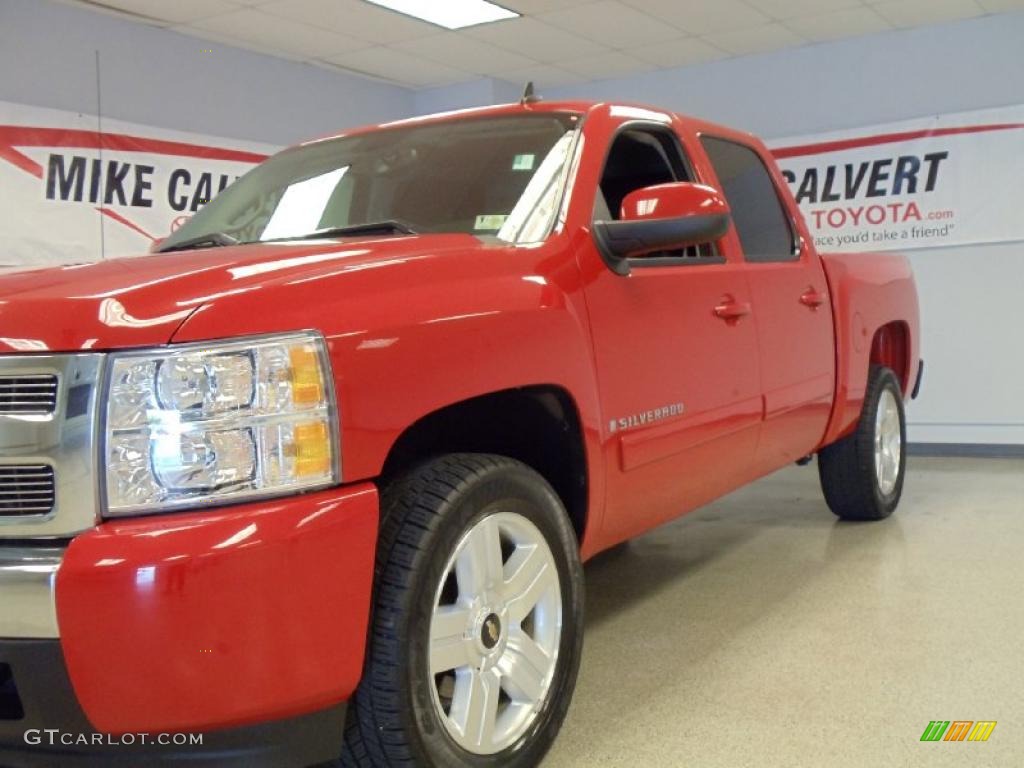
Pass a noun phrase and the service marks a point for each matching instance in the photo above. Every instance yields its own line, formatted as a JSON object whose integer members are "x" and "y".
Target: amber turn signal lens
{"x": 312, "y": 449}
{"x": 307, "y": 386}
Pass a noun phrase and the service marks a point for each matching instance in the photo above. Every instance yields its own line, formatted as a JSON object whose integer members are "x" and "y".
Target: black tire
{"x": 392, "y": 720}
{"x": 847, "y": 467}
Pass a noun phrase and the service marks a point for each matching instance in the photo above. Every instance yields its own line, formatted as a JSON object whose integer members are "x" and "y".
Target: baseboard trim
{"x": 968, "y": 450}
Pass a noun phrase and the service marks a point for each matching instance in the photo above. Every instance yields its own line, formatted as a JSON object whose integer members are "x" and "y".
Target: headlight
{"x": 200, "y": 424}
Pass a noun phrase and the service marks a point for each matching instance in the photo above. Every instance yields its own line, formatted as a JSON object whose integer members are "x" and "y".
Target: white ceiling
{"x": 555, "y": 42}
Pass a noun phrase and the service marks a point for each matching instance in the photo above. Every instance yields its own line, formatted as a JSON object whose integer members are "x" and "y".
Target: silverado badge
{"x": 645, "y": 417}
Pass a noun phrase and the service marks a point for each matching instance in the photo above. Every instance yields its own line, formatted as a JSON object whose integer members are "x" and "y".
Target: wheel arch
{"x": 539, "y": 425}
{"x": 875, "y": 306}
{"x": 890, "y": 347}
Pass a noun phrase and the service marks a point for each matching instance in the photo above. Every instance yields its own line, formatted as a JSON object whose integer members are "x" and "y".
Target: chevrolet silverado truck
{"x": 314, "y": 479}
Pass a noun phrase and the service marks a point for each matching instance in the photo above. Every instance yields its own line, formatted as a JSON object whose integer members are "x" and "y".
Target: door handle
{"x": 812, "y": 298}
{"x": 731, "y": 310}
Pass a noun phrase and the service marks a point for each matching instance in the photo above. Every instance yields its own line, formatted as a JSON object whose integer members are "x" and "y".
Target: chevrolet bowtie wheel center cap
{"x": 490, "y": 631}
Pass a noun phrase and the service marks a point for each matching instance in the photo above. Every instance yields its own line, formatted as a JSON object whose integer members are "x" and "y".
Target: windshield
{"x": 499, "y": 177}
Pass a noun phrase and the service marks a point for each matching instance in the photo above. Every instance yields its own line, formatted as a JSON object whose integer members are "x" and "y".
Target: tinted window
{"x": 760, "y": 218}
{"x": 486, "y": 176}
{"x": 638, "y": 159}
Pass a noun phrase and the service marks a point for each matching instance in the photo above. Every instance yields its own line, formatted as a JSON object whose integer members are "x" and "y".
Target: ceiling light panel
{"x": 451, "y": 14}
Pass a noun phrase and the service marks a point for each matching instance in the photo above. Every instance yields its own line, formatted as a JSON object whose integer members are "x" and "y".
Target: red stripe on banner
{"x": 31, "y": 136}
{"x": 886, "y": 138}
{"x": 122, "y": 220}
{"x": 11, "y": 155}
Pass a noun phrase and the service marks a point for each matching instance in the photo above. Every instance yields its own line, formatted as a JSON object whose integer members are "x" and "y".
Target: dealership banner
{"x": 941, "y": 181}
{"x": 70, "y": 192}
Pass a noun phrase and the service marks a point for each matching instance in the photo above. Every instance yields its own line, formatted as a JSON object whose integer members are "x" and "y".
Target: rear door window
{"x": 761, "y": 220}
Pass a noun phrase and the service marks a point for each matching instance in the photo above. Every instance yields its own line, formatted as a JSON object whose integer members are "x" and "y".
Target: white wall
{"x": 161, "y": 78}
{"x": 849, "y": 83}
{"x": 485, "y": 90}
{"x": 972, "y": 317}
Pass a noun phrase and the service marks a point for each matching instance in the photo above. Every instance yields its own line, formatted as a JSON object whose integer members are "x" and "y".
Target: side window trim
{"x": 650, "y": 126}
{"x": 796, "y": 251}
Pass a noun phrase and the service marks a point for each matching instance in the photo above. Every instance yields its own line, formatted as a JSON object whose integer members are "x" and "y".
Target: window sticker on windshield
{"x": 490, "y": 220}
{"x": 523, "y": 162}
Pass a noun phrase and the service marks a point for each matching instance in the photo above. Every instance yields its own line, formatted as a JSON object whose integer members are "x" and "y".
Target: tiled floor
{"x": 761, "y": 632}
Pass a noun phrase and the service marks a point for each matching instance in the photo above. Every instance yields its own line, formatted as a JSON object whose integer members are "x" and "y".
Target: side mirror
{"x": 660, "y": 218}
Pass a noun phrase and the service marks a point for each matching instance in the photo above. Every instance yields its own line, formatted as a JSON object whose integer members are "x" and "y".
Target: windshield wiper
{"x": 384, "y": 227}
{"x": 209, "y": 240}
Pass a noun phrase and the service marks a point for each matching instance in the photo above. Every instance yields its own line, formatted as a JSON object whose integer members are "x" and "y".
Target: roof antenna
{"x": 529, "y": 97}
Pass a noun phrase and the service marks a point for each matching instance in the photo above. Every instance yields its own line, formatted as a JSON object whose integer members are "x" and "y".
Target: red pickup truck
{"x": 316, "y": 478}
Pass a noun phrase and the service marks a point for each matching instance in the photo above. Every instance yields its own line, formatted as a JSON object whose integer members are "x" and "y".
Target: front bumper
{"x": 54, "y": 730}
{"x": 197, "y": 622}
{"x": 27, "y": 591}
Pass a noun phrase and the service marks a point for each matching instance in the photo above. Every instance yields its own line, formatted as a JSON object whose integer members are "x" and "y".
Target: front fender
{"x": 407, "y": 338}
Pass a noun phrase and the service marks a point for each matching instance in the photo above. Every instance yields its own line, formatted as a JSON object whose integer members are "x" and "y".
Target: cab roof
{"x": 695, "y": 125}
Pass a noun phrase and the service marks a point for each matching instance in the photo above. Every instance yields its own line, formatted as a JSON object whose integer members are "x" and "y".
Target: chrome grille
{"x": 48, "y": 461}
{"x": 30, "y": 393}
{"x": 26, "y": 489}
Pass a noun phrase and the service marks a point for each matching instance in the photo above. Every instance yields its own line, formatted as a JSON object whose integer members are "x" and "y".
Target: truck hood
{"x": 142, "y": 301}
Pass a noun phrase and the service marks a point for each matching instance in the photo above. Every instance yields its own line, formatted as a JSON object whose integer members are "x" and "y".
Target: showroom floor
{"x": 761, "y": 632}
